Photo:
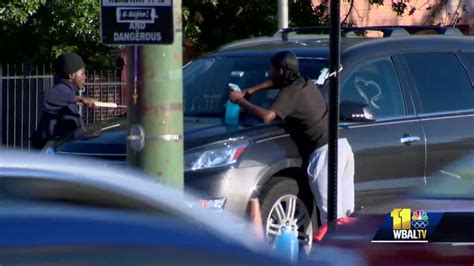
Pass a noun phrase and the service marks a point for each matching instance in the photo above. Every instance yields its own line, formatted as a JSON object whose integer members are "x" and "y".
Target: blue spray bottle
{"x": 232, "y": 110}
{"x": 287, "y": 245}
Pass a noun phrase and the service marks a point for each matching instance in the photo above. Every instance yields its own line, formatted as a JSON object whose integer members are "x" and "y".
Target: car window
{"x": 311, "y": 67}
{"x": 376, "y": 84}
{"x": 206, "y": 81}
{"x": 470, "y": 60}
{"x": 441, "y": 81}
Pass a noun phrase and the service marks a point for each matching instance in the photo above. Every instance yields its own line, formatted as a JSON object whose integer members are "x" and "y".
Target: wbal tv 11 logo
{"x": 408, "y": 225}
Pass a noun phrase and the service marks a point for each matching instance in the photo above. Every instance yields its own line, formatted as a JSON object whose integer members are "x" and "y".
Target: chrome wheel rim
{"x": 290, "y": 213}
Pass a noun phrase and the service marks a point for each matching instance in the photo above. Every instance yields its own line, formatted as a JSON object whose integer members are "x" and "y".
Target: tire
{"x": 287, "y": 191}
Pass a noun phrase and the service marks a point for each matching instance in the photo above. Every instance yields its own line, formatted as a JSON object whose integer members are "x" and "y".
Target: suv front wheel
{"x": 287, "y": 205}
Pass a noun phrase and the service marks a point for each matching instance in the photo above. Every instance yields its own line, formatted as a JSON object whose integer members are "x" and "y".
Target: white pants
{"x": 318, "y": 179}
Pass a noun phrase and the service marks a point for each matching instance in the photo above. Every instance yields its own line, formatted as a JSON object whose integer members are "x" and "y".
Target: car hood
{"x": 109, "y": 138}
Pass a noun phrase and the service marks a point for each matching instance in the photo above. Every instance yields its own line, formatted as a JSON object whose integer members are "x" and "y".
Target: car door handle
{"x": 408, "y": 140}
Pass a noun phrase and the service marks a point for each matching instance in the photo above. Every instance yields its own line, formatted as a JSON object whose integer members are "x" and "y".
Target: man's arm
{"x": 85, "y": 100}
{"x": 267, "y": 116}
{"x": 267, "y": 84}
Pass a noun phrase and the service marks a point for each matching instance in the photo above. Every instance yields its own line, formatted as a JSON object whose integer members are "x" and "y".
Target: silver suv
{"x": 407, "y": 109}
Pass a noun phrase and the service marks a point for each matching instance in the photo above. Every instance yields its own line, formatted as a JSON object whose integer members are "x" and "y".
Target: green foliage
{"x": 16, "y": 13}
{"x": 209, "y": 24}
{"x": 212, "y": 23}
{"x": 39, "y": 30}
{"x": 303, "y": 13}
{"x": 190, "y": 26}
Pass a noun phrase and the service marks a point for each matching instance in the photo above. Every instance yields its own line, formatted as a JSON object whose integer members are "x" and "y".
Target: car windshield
{"x": 206, "y": 81}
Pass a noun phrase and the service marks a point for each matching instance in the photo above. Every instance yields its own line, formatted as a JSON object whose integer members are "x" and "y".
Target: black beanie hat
{"x": 68, "y": 63}
{"x": 285, "y": 60}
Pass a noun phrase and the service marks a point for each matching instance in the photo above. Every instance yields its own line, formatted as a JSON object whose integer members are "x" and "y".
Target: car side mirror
{"x": 355, "y": 112}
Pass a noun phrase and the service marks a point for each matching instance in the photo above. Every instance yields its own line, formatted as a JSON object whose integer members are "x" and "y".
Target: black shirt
{"x": 305, "y": 112}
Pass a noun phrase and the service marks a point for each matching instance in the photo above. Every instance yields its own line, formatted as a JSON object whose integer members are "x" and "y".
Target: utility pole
{"x": 334, "y": 62}
{"x": 155, "y": 141}
{"x": 282, "y": 14}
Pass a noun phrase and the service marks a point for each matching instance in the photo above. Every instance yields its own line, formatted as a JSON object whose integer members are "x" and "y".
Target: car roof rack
{"x": 246, "y": 42}
{"x": 437, "y": 29}
{"x": 299, "y": 33}
{"x": 388, "y": 31}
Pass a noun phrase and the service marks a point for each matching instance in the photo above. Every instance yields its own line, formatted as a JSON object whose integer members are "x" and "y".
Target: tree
{"x": 209, "y": 24}
{"x": 37, "y": 31}
{"x": 217, "y": 22}
{"x": 214, "y": 23}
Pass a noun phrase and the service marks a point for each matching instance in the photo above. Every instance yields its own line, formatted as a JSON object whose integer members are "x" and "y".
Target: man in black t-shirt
{"x": 301, "y": 105}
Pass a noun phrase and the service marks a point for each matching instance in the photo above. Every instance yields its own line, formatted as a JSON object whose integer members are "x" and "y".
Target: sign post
{"x": 334, "y": 80}
{"x": 154, "y": 81}
{"x": 130, "y": 22}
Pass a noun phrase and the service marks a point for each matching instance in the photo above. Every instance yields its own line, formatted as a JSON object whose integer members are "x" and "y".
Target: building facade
{"x": 417, "y": 12}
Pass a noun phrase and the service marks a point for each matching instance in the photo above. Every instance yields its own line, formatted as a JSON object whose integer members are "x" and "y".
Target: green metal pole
{"x": 132, "y": 85}
{"x": 159, "y": 107}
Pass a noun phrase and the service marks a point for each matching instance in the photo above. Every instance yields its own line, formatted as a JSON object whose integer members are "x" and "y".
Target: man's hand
{"x": 236, "y": 96}
{"x": 248, "y": 92}
{"x": 268, "y": 84}
{"x": 89, "y": 102}
{"x": 96, "y": 133}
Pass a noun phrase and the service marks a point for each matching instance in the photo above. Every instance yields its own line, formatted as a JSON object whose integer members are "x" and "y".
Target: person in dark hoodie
{"x": 301, "y": 105}
{"x": 61, "y": 115}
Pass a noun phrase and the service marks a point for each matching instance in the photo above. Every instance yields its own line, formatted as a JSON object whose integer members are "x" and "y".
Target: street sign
{"x": 136, "y": 22}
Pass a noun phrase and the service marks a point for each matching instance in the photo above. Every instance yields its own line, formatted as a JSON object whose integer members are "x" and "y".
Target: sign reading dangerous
{"x": 137, "y": 22}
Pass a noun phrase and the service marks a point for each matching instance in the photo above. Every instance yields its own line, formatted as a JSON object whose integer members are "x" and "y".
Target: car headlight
{"x": 215, "y": 155}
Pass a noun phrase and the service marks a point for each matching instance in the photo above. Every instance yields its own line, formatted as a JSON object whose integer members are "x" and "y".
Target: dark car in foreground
{"x": 411, "y": 102}
{"x": 64, "y": 211}
{"x": 69, "y": 211}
